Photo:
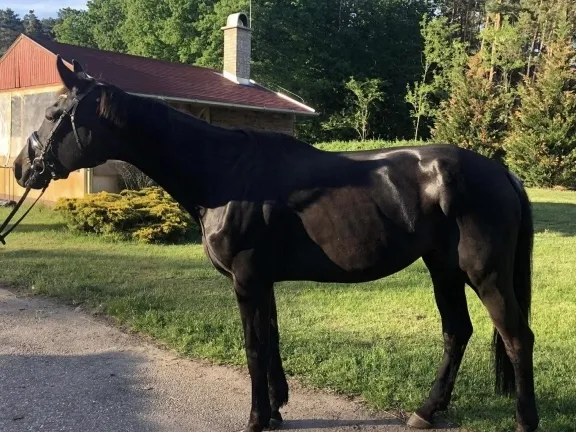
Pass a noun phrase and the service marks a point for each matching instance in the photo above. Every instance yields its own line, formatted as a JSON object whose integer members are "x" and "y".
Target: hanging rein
{"x": 46, "y": 162}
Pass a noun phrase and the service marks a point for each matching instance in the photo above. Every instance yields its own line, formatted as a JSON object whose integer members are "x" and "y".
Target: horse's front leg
{"x": 254, "y": 301}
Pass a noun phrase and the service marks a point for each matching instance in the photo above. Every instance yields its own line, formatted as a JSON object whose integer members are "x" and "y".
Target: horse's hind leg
{"x": 277, "y": 384}
{"x": 449, "y": 285}
{"x": 496, "y": 292}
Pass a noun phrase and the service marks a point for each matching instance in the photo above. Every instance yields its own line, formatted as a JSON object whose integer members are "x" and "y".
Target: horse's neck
{"x": 186, "y": 156}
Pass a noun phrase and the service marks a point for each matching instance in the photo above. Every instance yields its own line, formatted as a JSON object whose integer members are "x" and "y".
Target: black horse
{"x": 272, "y": 208}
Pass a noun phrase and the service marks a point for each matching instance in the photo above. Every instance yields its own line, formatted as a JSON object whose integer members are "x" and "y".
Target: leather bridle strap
{"x": 3, "y": 235}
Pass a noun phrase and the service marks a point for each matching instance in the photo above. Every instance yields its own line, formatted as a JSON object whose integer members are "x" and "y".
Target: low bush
{"x": 149, "y": 215}
{"x": 365, "y": 145}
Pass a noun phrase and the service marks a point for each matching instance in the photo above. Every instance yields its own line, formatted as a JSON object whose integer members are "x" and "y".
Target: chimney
{"x": 237, "y": 47}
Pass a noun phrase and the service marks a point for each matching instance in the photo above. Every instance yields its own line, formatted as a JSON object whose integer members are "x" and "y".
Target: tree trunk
{"x": 531, "y": 53}
{"x": 497, "y": 26}
{"x": 486, "y": 24}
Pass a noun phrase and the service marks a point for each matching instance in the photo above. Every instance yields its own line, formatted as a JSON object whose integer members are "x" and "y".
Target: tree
{"x": 74, "y": 27}
{"x": 541, "y": 147}
{"x": 365, "y": 94}
{"x": 476, "y": 115}
{"x": 442, "y": 53}
{"x": 163, "y": 30}
{"x": 10, "y": 27}
{"x": 48, "y": 27}
{"x": 207, "y": 48}
{"x": 106, "y": 19}
{"x": 32, "y": 25}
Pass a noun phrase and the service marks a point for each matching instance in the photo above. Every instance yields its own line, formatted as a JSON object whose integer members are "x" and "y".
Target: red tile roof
{"x": 146, "y": 76}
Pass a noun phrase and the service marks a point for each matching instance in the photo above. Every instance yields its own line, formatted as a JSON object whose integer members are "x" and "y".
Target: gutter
{"x": 232, "y": 105}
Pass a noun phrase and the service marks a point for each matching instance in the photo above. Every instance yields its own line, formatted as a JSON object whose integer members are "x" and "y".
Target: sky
{"x": 42, "y": 9}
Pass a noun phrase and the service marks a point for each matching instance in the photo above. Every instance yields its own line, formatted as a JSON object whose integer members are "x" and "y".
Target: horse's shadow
{"x": 385, "y": 424}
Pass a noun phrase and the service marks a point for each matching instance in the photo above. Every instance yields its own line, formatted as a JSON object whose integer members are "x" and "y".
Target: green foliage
{"x": 476, "y": 115}
{"x": 149, "y": 215}
{"x": 163, "y": 30}
{"x": 207, "y": 47}
{"x": 32, "y": 25}
{"x": 106, "y": 19}
{"x": 74, "y": 27}
{"x": 365, "y": 94}
{"x": 541, "y": 147}
{"x": 10, "y": 27}
{"x": 442, "y": 54}
{"x": 339, "y": 146}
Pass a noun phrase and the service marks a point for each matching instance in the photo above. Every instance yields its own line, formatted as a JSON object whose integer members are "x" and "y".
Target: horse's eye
{"x": 51, "y": 114}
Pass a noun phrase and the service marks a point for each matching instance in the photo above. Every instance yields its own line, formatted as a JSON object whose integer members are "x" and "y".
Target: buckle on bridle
{"x": 38, "y": 165}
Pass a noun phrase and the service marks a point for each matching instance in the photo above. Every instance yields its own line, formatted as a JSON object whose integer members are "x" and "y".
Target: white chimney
{"x": 237, "y": 48}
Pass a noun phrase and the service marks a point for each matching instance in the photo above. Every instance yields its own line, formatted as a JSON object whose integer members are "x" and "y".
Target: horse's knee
{"x": 459, "y": 336}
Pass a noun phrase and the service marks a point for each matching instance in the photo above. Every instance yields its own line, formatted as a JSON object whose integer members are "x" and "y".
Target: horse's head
{"x": 73, "y": 135}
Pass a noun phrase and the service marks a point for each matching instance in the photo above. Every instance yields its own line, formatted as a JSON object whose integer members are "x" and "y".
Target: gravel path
{"x": 64, "y": 370}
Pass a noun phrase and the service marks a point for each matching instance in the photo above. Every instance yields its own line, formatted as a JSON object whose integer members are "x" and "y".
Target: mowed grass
{"x": 381, "y": 341}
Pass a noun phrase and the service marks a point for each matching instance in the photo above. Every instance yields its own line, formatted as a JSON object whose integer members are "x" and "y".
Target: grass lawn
{"x": 380, "y": 340}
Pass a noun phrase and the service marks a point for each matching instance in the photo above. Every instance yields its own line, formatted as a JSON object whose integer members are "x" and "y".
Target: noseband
{"x": 46, "y": 161}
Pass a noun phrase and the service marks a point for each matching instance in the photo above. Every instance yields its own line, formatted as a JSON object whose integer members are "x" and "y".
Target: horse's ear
{"x": 78, "y": 69}
{"x": 68, "y": 77}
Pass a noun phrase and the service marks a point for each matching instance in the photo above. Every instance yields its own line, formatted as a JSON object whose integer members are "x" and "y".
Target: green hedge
{"x": 365, "y": 145}
{"x": 149, "y": 215}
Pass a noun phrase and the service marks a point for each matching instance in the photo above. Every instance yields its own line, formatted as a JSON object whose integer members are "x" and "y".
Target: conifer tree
{"x": 541, "y": 146}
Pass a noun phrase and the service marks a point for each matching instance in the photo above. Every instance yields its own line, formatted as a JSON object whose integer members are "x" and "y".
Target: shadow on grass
{"x": 555, "y": 217}
{"x": 36, "y": 228}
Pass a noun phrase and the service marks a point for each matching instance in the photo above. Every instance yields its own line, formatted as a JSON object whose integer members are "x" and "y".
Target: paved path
{"x": 64, "y": 370}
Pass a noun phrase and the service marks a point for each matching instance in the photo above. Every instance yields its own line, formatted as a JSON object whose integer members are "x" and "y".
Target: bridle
{"x": 47, "y": 161}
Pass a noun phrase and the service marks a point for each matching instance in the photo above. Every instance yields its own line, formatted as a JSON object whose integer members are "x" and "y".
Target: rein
{"x": 47, "y": 161}
{"x": 3, "y": 235}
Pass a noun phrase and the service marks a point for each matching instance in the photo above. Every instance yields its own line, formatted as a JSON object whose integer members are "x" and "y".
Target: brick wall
{"x": 258, "y": 120}
{"x": 237, "y": 51}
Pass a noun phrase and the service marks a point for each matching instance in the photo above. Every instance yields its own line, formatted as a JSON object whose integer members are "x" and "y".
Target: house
{"x": 29, "y": 83}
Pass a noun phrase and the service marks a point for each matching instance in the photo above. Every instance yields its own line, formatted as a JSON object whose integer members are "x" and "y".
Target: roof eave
{"x": 226, "y": 104}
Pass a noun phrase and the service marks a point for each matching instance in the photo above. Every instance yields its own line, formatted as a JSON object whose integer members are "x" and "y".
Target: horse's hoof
{"x": 274, "y": 424}
{"x": 418, "y": 422}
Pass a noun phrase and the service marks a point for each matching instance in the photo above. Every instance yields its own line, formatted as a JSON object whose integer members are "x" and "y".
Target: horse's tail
{"x": 505, "y": 382}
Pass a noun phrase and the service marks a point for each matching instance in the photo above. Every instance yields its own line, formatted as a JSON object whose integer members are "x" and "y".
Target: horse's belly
{"x": 314, "y": 264}
{"x": 341, "y": 246}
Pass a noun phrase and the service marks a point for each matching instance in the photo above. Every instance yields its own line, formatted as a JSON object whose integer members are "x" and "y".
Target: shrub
{"x": 149, "y": 215}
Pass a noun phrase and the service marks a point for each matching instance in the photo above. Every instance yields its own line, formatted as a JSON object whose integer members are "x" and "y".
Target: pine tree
{"x": 541, "y": 147}
{"x": 10, "y": 27}
{"x": 32, "y": 25}
{"x": 477, "y": 113}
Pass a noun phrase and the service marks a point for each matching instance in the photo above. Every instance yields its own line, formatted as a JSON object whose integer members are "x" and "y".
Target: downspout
{"x": 88, "y": 180}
